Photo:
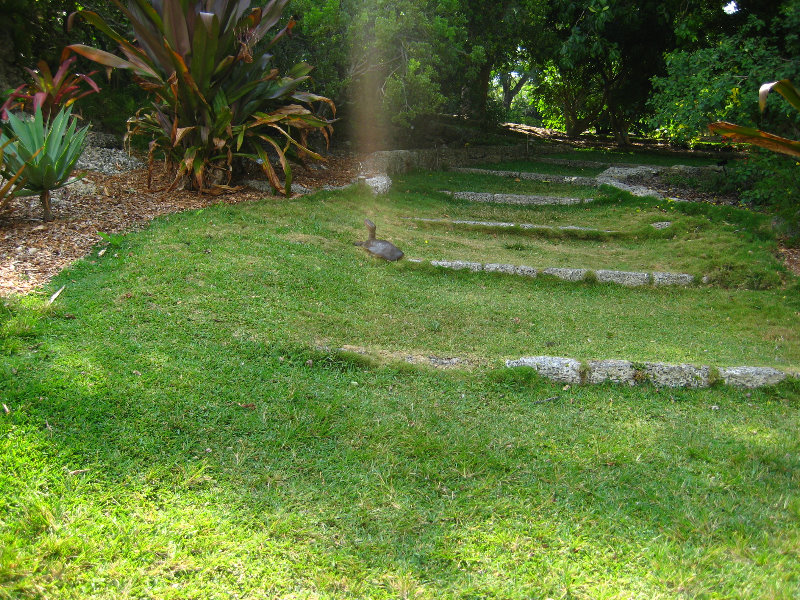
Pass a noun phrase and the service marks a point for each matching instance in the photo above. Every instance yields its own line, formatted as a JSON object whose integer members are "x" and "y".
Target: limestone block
{"x": 563, "y": 370}
{"x": 566, "y": 274}
{"x": 617, "y": 371}
{"x": 458, "y": 265}
{"x": 628, "y": 278}
{"x": 751, "y": 377}
{"x": 669, "y": 375}
{"x": 661, "y": 224}
{"x": 672, "y": 279}
{"x": 379, "y": 184}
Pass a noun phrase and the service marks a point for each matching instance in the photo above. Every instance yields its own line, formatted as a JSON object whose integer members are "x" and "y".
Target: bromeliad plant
{"x": 51, "y": 92}
{"x": 42, "y": 153}
{"x": 214, "y": 100}
{"x": 750, "y": 135}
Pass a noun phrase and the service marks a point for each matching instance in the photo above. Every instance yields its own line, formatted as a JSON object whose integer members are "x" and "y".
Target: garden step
{"x": 505, "y": 225}
{"x": 571, "y": 371}
{"x": 573, "y": 179}
{"x": 626, "y": 278}
{"x": 526, "y": 199}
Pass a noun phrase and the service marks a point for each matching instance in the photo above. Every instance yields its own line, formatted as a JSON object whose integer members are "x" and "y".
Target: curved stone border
{"x": 626, "y": 278}
{"x": 527, "y": 199}
{"x": 506, "y": 225}
{"x": 569, "y": 370}
{"x": 573, "y": 179}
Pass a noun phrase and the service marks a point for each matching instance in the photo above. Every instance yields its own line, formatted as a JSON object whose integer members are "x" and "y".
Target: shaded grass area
{"x": 183, "y": 461}
{"x": 532, "y": 166}
{"x": 635, "y": 157}
{"x": 731, "y": 246}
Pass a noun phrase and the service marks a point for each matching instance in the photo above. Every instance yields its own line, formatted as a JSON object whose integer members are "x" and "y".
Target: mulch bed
{"x": 32, "y": 251}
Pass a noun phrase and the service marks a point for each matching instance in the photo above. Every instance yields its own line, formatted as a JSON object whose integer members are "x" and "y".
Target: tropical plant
{"x": 214, "y": 100}
{"x": 50, "y": 92}
{"x": 751, "y": 135}
{"x": 43, "y": 152}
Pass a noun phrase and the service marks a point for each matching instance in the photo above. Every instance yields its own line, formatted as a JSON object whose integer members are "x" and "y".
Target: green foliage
{"x": 45, "y": 152}
{"x": 214, "y": 99}
{"x": 50, "y": 92}
{"x": 772, "y": 181}
{"x": 411, "y": 94}
{"x": 569, "y": 99}
{"x": 721, "y": 83}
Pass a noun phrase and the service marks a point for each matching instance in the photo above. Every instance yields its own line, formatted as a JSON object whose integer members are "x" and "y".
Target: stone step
{"x": 571, "y": 371}
{"x": 505, "y": 225}
{"x": 572, "y": 179}
{"x": 626, "y": 278}
{"x": 526, "y": 199}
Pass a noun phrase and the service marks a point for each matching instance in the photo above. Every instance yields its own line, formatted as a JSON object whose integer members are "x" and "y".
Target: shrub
{"x": 214, "y": 100}
{"x": 50, "y": 92}
{"x": 43, "y": 152}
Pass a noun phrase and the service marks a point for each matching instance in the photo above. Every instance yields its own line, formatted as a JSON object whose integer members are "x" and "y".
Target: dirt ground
{"x": 32, "y": 251}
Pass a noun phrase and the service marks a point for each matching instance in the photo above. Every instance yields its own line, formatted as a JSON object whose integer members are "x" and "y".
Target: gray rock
{"x": 617, "y": 371}
{"x": 751, "y": 377}
{"x": 661, "y": 224}
{"x": 628, "y": 278}
{"x": 672, "y": 279}
{"x": 669, "y": 375}
{"x": 81, "y": 187}
{"x": 563, "y": 370}
{"x": 566, "y": 274}
{"x": 379, "y": 184}
{"x": 98, "y": 139}
{"x": 473, "y": 196}
{"x": 107, "y": 161}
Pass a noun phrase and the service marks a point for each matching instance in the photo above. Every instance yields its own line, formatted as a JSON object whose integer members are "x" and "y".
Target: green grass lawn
{"x": 634, "y": 157}
{"x": 733, "y": 247}
{"x": 174, "y": 426}
{"x": 532, "y": 166}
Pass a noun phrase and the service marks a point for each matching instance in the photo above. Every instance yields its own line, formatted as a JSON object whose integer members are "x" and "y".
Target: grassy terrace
{"x": 176, "y": 429}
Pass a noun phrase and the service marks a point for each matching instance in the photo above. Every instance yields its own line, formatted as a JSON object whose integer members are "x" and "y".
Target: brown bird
{"x": 380, "y": 248}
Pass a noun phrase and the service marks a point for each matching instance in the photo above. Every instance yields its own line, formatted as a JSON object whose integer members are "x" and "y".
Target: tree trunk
{"x": 45, "y": 198}
{"x": 481, "y": 94}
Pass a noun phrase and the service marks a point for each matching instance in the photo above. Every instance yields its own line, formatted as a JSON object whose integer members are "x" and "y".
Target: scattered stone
{"x": 617, "y": 371}
{"x": 81, "y": 187}
{"x": 668, "y": 375}
{"x": 661, "y": 224}
{"x": 566, "y": 274}
{"x": 563, "y": 370}
{"x": 107, "y": 160}
{"x": 507, "y": 225}
{"x": 672, "y": 279}
{"x": 751, "y": 377}
{"x": 627, "y": 278}
{"x": 438, "y": 361}
{"x": 98, "y": 139}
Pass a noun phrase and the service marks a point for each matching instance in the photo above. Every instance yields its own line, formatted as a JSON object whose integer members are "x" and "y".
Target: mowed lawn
{"x": 181, "y": 423}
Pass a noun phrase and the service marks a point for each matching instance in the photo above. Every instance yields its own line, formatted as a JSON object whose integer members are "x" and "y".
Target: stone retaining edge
{"x": 626, "y": 278}
{"x": 574, "y": 372}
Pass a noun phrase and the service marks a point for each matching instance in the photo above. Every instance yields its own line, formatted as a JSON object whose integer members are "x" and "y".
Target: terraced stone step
{"x": 626, "y": 278}
{"x": 571, "y": 371}
{"x": 526, "y": 199}
{"x": 505, "y": 225}
{"x": 573, "y": 179}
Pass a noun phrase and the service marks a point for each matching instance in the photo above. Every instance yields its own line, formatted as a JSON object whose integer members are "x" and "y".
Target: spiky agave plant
{"x": 43, "y": 153}
{"x": 213, "y": 98}
{"x": 9, "y": 187}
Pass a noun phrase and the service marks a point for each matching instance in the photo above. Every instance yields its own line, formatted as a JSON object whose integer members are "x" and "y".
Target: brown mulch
{"x": 33, "y": 251}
